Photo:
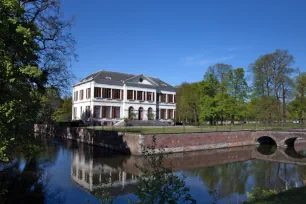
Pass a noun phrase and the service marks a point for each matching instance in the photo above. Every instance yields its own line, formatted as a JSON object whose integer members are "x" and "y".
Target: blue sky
{"x": 177, "y": 40}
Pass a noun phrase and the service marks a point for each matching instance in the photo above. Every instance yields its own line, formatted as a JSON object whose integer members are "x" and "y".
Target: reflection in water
{"x": 25, "y": 181}
{"x": 266, "y": 149}
{"x": 223, "y": 175}
{"x": 91, "y": 171}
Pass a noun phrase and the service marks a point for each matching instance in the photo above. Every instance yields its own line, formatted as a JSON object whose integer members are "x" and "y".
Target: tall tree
{"x": 238, "y": 89}
{"x": 272, "y": 74}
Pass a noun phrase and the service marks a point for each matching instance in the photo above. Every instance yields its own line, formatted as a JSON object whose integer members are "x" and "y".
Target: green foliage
{"x": 188, "y": 97}
{"x": 64, "y": 113}
{"x": 35, "y": 47}
{"x": 158, "y": 184}
{"x": 259, "y": 194}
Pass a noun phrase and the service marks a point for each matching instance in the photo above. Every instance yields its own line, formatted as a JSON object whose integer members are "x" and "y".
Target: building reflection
{"x": 226, "y": 170}
{"x": 93, "y": 169}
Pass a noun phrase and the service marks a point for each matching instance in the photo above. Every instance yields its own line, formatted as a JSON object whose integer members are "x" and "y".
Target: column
{"x": 101, "y": 113}
{"x": 123, "y": 101}
{"x": 111, "y": 112}
{"x": 92, "y": 90}
{"x": 111, "y": 93}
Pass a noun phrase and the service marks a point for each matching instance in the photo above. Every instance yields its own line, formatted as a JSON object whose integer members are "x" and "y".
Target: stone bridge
{"x": 280, "y": 138}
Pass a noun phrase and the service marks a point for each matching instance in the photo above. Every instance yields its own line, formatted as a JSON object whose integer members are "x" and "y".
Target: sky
{"x": 177, "y": 41}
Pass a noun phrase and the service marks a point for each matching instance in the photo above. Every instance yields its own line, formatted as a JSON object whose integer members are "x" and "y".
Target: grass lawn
{"x": 191, "y": 129}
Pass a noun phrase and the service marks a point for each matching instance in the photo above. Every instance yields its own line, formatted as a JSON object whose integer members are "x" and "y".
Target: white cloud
{"x": 203, "y": 60}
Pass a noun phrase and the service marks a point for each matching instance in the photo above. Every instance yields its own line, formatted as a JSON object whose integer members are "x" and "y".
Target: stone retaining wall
{"x": 178, "y": 142}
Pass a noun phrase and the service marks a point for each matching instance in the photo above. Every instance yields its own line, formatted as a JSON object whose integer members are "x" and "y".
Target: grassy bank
{"x": 296, "y": 196}
{"x": 194, "y": 129}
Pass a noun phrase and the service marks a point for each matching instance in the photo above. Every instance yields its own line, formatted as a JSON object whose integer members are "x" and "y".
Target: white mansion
{"x": 112, "y": 96}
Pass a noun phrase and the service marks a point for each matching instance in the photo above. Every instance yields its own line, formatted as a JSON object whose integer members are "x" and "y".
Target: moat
{"x": 68, "y": 172}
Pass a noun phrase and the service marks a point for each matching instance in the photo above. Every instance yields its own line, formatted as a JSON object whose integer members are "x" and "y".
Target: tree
{"x": 188, "y": 98}
{"x": 272, "y": 75}
{"x": 49, "y": 103}
{"x": 36, "y": 47}
{"x": 64, "y": 113}
{"x": 208, "y": 90}
{"x": 297, "y": 107}
{"x": 238, "y": 89}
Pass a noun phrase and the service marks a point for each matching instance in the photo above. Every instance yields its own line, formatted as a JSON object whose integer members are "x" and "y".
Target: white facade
{"x": 138, "y": 99}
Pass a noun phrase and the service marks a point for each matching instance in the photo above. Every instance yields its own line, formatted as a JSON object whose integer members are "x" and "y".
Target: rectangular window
{"x": 106, "y": 111}
{"x": 75, "y": 97}
{"x": 87, "y": 111}
{"x": 97, "y": 110}
{"x": 75, "y": 112}
{"x": 174, "y": 98}
{"x": 116, "y": 93}
{"x": 81, "y": 112}
{"x": 163, "y": 98}
{"x": 139, "y": 95}
{"x": 170, "y": 98}
{"x": 88, "y": 93}
{"x": 150, "y": 96}
{"x": 115, "y": 112}
{"x": 134, "y": 95}
{"x": 97, "y": 92}
{"x": 81, "y": 94}
{"x": 163, "y": 114}
{"x": 130, "y": 94}
{"x": 87, "y": 177}
{"x": 106, "y": 93}
{"x": 80, "y": 174}
{"x": 170, "y": 113}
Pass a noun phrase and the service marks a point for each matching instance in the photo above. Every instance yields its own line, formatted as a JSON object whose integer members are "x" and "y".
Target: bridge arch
{"x": 289, "y": 142}
{"x": 266, "y": 140}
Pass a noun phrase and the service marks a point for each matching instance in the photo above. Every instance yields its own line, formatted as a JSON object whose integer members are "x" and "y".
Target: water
{"x": 67, "y": 172}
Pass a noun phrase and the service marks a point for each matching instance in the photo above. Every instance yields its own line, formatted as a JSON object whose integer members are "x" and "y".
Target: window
{"x": 139, "y": 95}
{"x": 97, "y": 110}
{"x": 163, "y": 114}
{"x": 88, "y": 93}
{"x": 97, "y": 92}
{"x": 174, "y": 98}
{"x": 170, "y": 113}
{"x": 75, "y": 112}
{"x": 80, "y": 174}
{"x": 163, "y": 98}
{"x": 106, "y": 111}
{"x": 130, "y": 94}
{"x": 75, "y": 97}
{"x": 116, "y": 93}
{"x": 87, "y": 111}
{"x": 150, "y": 96}
{"x": 74, "y": 171}
{"x": 87, "y": 177}
{"x": 115, "y": 112}
{"x": 81, "y": 112}
{"x": 106, "y": 93}
{"x": 81, "y": 94}
{"x": 170, "y": 98}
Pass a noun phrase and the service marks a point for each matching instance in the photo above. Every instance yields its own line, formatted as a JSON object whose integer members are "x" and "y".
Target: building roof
{"x": 118, "y": 78}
